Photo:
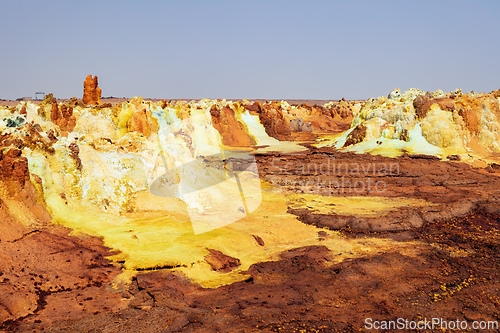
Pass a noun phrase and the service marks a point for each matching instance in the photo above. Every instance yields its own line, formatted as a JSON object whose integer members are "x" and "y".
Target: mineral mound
{"x": 417, "y": 122}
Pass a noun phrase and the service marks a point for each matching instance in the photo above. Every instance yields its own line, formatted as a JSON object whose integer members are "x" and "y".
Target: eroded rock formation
{"x": 143, "y": 122}
{"x": 298, "y": 125}
{"x": 91, "y": 91}
{"x": 357, "y": 135}
{"x": 14, "y": 167}
{"x": 232, "y": 130}
{"x": 428, "y": 123}
{"x": 271, "y": 116}
{"x": 63, "y": 117}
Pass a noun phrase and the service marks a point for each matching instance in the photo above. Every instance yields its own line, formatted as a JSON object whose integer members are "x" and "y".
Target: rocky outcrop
{"x": 16, "y": 185}
{"x": 74, "y": 102}
{"x": 423, "y": 103}
{"x": 332, "y": 117}
{"x": 395, "y": 93}
{"x": 298, "y": 125}
{"x": 74, "y": 152}
{"x": 342, "y": 108}
{"x": 434, "y": 123}
{"x": 14, "y": 168}
{"x": 233, "y": 132}
{"x": 31, "y": 136}
{"x": 272, "y": 118}
{"x": 59, "y": 114}
{"x": 68, "y": 120}
{"x": 143, "y": 122}
{"x": 134, "y": 116}
{"x": 48, "y": 99}
{"x": 357, "y": 135}
{"x": 63, "y": 117}
{"x": 220, "y": 261}
{"x": 91, "y": 91}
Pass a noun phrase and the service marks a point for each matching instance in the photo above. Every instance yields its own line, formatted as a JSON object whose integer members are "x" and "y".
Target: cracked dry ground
{"x": 452, "y": 271}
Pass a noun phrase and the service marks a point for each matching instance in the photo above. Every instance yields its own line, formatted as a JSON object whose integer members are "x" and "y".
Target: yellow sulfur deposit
{"x": 436, "y": 124}
{"x": 440, "y": 129}
{"x": 97, "y": 181}
{"x": 358, "y": 206}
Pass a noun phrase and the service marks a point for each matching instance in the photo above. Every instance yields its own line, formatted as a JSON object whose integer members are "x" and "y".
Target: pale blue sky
{"x": 248, "y": 49}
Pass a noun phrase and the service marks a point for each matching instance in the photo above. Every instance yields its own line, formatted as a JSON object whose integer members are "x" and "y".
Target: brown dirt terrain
{"x": 303, "y": 291}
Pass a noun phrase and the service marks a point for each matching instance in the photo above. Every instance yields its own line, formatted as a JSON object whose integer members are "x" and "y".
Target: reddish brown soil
{"x": 56, "y": 275}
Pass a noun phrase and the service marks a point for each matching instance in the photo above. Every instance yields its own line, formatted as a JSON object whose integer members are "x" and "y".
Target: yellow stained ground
{"x": 359, "y": 206}
{"x": 149, "y": 239}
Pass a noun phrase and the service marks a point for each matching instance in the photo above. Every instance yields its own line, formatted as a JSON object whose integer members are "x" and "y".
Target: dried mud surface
{"x": 453, "y": 272}
{"x": 453, "y": 188}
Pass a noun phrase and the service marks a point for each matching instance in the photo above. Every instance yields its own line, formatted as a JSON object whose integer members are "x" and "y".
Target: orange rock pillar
{"x": 91, "y": 91}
